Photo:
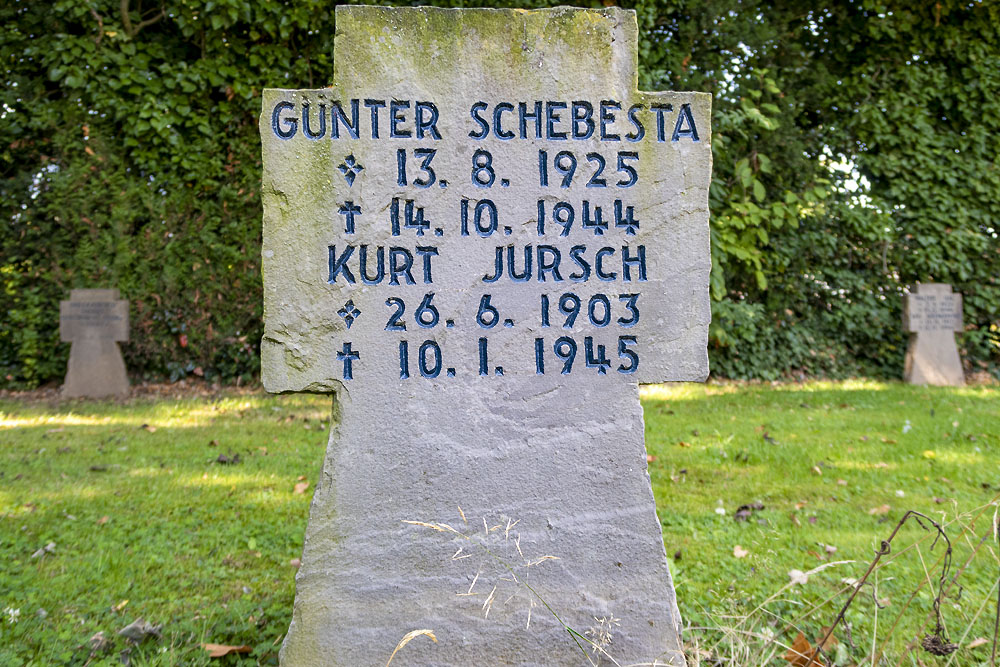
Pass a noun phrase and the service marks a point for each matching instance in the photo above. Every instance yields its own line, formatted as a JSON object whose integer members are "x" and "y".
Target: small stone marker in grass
{"x": 481, "y": 239}
{"x": 94, "y": 321}
{"x": 933, "y": 314}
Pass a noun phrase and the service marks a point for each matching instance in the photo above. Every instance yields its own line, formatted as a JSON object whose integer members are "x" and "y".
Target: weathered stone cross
{"x": 94, "y": 321}
{"x": 481, "y": 239}
{"x": 933, "y": 314}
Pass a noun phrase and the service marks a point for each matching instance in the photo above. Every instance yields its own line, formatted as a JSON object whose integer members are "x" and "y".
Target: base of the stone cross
{"x": 515, "y": 521}
{"x": 932, "y": 358}
{"x": 96, "y": 369}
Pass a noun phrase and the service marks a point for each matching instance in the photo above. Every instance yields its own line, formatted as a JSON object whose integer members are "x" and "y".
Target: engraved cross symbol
{"x": 348, "y": 355}
{"x": 350, "y": 168}
{"x": 349, "y": 210}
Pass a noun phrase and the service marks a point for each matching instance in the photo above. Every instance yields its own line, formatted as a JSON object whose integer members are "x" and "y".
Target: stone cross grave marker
{"x": 94, "y": 321}
{"x": 933, "y": 314}
{"x": 481, "y": 239}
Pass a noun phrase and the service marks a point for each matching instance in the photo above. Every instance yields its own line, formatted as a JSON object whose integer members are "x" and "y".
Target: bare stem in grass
{"x": 810, "y": 609}
{"x": 884, "y": 549}
{"x": 964, "y": 532}
{"x": 996, "y": 619}
{"x": 945, "y": 592}
{"x": 968, "y": 628}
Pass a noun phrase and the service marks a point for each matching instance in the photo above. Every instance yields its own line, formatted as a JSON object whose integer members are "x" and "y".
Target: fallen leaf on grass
{"x": 118, "y": 607}
{"x": 800, "y": 652}
{"x": 301, "y": 478}
{"x": 841, "y": 482}
{"x": 816, "y": 470}
{"x": 830, "y": 642}
{"x": 103, "y": 520}
{"x": 650, "y": 458}
{"x": 295, "y": 562}
{"x": 47, "y": 549}
{"x": 977, "y": 642}
{"x": 407, "y": 638}
{"x": 744, "y": 512}
{"x": 232, "y": 459}
{"x": 147, "y": 427}
{"x": 740, "y": 552}
{"x": 140, "y": 629}
{"x": 683, "y": 444}
{"x": 880, "y": 510}
{"x": 301, "y": 487}
{"x": 221, "y": 650}
{"x": 98, "y": 642}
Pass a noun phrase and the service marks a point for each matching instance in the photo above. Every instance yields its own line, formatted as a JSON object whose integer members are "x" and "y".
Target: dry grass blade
{"x": 440, "y": 527}
{"x": 407, "y": 638}
{"x": 996, "y": 620}
{"x": 541, "y": 560}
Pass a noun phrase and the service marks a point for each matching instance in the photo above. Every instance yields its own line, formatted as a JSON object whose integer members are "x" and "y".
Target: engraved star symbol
{"x": 350, "y": 168}
{"x": 349, "y": 312}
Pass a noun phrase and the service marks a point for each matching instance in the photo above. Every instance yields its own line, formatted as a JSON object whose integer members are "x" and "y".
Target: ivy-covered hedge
{"x": 855, "y": 154}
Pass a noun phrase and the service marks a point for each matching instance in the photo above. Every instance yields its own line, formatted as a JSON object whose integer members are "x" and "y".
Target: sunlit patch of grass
{"x": 61, "y": 420}
{"x": 139, "y": 509}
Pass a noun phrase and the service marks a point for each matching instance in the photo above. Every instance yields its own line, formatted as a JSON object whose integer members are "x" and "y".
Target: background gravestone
{"x": 933, "y": 314}
{"x": 481, "y": 239}
{"x": 94, "y": 321}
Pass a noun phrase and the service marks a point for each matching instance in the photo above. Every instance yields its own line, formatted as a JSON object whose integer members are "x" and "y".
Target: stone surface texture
{"x": 477, "y": 505}
{"x": 94, "y": 321}
{"x": 933, "y": 313}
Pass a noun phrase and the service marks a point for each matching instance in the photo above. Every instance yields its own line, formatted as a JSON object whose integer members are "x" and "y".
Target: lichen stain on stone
{"x": 560, "y": 31}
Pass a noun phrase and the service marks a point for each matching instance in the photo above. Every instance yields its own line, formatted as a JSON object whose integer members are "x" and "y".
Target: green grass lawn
{"x": 144, "y": 521}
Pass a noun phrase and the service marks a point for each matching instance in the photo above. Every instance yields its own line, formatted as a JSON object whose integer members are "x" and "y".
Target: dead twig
{"x": 100, "y": 25}
{"x": 935, "y": 642}
{"x": 996, "y": 620}
{"x": 133, "y": 29}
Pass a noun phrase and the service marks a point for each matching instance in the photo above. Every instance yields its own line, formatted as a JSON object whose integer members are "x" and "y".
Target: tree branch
{"x": 133, "y": 30}
{"x": 126, "y": 21}
{"x": 100, "y": 25}
{"x": 143, "y": 24}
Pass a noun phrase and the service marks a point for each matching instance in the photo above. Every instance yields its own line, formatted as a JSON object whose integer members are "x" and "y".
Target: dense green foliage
{"x": 852, "y": 159}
